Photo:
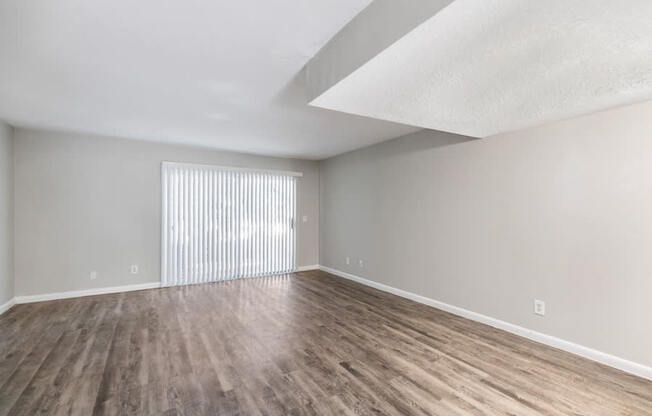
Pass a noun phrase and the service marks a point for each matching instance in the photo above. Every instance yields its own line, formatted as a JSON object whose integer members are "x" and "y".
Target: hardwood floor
{"x": 308, "y": 343}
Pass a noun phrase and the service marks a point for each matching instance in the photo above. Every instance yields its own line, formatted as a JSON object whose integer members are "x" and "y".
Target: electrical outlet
{"x": 93, "y": 275}
{"x": 348, "y": 260}
{"x": 539, "y": 307}
{"x": 304, "y": 218}
{"x": 361, "y": 263}
{"x": 134, "y": 269}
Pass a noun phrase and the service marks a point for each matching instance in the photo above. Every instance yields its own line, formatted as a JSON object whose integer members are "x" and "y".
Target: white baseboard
{"x": 86, "y": 292}
{"x": 307, "y": 268}
{"x": 5, "y": 307}
{"x": 100, "y": 291}
{"x": 586, "y": 352}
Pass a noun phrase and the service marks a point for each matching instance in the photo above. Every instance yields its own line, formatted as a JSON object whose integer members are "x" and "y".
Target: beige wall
{"x": 93, "y": 203}
{"x": 6, "y": 214}
{"x": 561, "y": 213}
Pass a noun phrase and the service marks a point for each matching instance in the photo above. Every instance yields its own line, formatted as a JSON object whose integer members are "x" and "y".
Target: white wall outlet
{"x": 539, "y": 307}
{"x": 304, "y": 218}
{"x": 134, "y": 269}
{"x": 348, "y": 260}
{"x": 93, "y": 275}
{"x": 361, "y": 263}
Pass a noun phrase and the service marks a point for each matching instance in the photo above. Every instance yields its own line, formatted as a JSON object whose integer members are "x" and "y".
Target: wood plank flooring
{"x": 307, "y": 343}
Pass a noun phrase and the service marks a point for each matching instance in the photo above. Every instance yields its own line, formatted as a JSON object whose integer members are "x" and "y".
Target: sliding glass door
{"x": 226, "y": 223}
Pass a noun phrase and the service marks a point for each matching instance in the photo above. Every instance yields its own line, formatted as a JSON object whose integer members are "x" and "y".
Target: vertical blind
{"x": 225, "y": 223}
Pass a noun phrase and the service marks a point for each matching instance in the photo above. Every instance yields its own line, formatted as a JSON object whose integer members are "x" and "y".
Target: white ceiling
{"x": 481, "y": 67}
{"x": 220, "y": 73}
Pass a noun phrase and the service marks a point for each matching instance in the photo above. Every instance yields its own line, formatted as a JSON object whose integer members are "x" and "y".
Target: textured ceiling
{"x": 481, "y": 67}
{"x": 224, "y": 74}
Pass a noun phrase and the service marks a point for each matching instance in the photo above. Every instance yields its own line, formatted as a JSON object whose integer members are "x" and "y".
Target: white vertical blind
{"x": 225, "y": 223}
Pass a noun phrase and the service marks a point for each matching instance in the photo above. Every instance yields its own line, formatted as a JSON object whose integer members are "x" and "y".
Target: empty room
{"x": 326, "y": 207}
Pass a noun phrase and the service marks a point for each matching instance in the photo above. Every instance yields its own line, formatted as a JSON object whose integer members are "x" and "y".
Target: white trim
{"x": 4, "y": 308}
{"x": 166, "y": 163}
{"x": 307, "y": 268}
{"x": 164, "y": 231}
{"x": 586, "y": 352}
{"x": 86, "y": 292}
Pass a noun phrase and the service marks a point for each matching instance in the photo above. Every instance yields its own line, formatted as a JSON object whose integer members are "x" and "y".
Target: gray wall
{"x": 93, "y": 203}
{"x": 6, "y": 214}
{"x": 561, "y": 213}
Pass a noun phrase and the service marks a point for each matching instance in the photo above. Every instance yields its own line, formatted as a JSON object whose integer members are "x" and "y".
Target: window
{"x": 226, "y": 223}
